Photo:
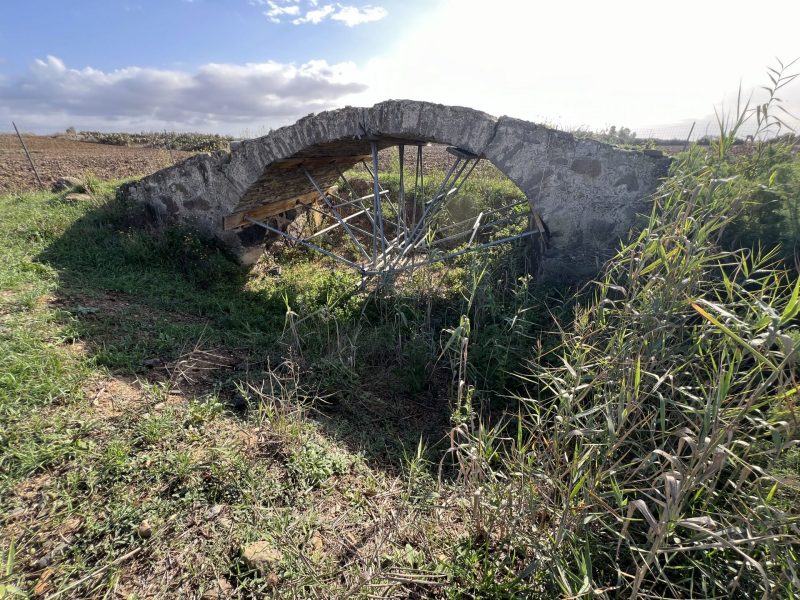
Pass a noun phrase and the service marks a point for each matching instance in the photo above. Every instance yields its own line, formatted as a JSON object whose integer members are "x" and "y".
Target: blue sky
{"x": 110, "y": 34}
{"x": 244, "y": 66}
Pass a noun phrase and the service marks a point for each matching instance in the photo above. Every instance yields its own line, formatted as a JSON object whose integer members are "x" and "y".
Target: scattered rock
{"x": 215, "y": 511}
{"x": 145, "y": 529}
{"x": 261, "y": 556}
{"x": 225, "y": 523}
{"x": 65, "y": 183}
{"x": 70, "y": 526}
{"x": 43, "y": 584}
{"x": 152, "y": 363}
{"x": 48, "y": 559}
{"x": 75, "y": 197}
{"x": 220, "y": 589}
{"x": 316, "y": 543}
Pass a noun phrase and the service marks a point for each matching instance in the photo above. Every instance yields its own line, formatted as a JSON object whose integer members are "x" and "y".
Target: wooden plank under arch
{"x": 270, "y": 209}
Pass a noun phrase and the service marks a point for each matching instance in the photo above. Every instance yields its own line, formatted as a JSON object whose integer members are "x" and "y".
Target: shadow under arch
{"x": 140, "y": 299}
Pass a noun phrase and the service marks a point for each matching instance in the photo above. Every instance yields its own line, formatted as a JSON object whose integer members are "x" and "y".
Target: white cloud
{"x": 309, "y": 11}
{"x": 316, "y": 16}
{"x": 217, "y": 97}
{"x": 352, "y": 16}
{"x": 276, "y": 11}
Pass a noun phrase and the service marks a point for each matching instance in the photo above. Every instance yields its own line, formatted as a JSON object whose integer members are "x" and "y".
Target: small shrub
{"x": 90, "y": 183}
{"x": 312, "y": 463}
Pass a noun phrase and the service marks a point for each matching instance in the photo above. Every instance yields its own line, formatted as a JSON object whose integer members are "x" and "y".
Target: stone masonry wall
{"x": 587, "y": 193}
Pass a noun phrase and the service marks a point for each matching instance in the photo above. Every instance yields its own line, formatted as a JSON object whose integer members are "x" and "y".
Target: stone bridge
{"x": 587, "y": 194}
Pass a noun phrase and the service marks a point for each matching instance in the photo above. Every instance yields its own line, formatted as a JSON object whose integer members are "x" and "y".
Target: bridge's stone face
{"x": 588, "y": 194}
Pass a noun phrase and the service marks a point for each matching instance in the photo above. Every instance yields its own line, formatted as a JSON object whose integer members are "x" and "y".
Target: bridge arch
{"x": 588, "y": 194}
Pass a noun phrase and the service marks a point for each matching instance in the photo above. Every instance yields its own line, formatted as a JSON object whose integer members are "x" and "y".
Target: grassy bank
{"x": 163, "y": 410}
{"x": 174, "y": 426}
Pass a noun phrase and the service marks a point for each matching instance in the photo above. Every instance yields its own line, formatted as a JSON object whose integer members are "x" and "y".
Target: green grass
{"x": 169, "y": 408}
{"x": 463, "y": 434}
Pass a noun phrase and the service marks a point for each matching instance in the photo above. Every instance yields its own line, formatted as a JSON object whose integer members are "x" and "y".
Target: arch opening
{"x": 380, "y": 207}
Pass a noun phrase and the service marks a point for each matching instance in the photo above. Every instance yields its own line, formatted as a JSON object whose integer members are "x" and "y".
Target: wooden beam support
{"x": 270, "y": 209}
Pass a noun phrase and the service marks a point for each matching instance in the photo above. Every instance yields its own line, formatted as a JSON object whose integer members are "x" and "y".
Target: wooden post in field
{"x": 689, "y": 137}
{"x": 28, "y": 154}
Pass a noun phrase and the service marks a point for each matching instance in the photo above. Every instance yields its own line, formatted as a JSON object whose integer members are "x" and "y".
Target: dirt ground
{"x": 59, "y": 157}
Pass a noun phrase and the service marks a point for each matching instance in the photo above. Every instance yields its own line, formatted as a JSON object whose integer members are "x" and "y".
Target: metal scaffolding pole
{"x": 335, "y": 213}
{"x": 412, "y": 237}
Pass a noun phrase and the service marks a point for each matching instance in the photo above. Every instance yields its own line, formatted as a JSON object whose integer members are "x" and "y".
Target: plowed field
{"x": 59, "y": 157}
